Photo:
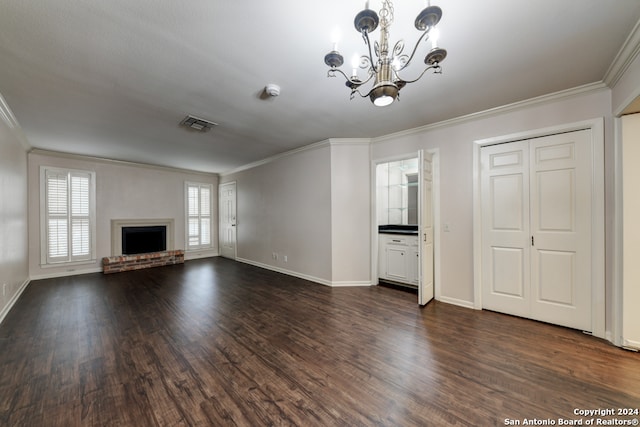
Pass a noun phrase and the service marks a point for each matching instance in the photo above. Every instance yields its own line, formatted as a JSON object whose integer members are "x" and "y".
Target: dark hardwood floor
{"x": 214, "y": 343}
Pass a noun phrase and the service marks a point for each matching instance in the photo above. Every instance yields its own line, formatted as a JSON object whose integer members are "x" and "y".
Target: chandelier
{"x": 384, "y": 71}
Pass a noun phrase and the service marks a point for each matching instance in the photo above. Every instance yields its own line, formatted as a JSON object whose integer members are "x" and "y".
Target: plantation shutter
{"x": 68, "y": 216}
{"x": 198, "y": 216}
{"x": 57, "y": 216}
{"x": 80, "y": 231}
{"x": 205, "y": 216}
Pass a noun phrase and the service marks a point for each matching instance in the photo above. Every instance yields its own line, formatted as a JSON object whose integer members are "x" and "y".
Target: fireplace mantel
{"x": 117, "y": 224}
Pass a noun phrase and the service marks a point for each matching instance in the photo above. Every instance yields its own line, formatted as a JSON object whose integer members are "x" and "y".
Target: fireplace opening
{"x": 140, "y": 240}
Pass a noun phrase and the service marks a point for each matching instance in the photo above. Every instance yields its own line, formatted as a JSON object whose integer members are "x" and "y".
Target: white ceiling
{"x": 114, "y": 78}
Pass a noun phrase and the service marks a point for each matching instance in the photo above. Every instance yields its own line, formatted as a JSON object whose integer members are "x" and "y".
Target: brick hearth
{"x": 117, "y": 264}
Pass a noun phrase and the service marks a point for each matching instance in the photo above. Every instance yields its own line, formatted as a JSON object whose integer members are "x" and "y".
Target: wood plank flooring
{"x": 219, "y": 343}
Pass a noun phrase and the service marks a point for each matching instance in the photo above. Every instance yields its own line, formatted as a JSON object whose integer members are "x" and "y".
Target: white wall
{"x": 123, "y": 191}
{"x": 14, "y": 272}
{"x": 284, "y": 206}
{"x": 350, "y": 213}
{"x": 631, "y": 236}
{"x": 455, "y": 139}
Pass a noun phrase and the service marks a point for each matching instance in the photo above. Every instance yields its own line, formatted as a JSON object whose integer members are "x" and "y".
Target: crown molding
{"x": 314, "y": 146}
{"x": 7, "y": 116}
{"x": 82, "y": 157}
{"x": 626, "y": 55}
{"x": 350, "y": 141}
{"x": 327, "y": 142}
{"x": 539, "y": 100}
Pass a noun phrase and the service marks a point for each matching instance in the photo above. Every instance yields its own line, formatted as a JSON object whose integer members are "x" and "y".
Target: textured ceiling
{"x": 114, "y": 78}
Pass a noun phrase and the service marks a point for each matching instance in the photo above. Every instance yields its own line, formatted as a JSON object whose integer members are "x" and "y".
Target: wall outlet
{"x": 447, "y": 227}
{"x": 275, "y": 256}
{"x": 285, "y": 258}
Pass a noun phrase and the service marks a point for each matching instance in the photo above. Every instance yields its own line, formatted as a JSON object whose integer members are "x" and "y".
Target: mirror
{"x": 397, "y": 192}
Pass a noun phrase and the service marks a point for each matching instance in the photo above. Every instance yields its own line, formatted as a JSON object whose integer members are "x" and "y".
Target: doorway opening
{"x": 405, "y": 249}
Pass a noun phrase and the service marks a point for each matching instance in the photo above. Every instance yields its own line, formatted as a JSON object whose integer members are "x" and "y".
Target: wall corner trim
{"x": 13, "y": 300}
{"x": 626, "y": 55}
{"x": 7, "y": 116}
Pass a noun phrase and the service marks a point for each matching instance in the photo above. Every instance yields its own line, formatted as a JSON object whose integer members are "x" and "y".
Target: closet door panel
{"x": 561, "y": 229}
{"x": 505, "y": 228}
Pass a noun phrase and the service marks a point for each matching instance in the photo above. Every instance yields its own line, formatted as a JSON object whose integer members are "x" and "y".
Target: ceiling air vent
{"x": 197, "y": 123}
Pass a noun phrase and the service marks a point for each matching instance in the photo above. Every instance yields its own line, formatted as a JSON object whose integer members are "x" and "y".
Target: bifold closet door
{"x": 561, "y": 229}
{"x": 505, "y": 228}
{"x": 536, "y": 219}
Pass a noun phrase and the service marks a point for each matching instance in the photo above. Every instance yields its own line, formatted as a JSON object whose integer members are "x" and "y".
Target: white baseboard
{"x": 347, "y": 283}
{"x": 67, "y": 273}
{"x": 284, "y": 271}
{"x": 631, "y": 344}
{"x": 458, "y": 302}
{"x": 200, "y": 254}
{"x": 13, "y": 300}
{"x": 303, "y": 276}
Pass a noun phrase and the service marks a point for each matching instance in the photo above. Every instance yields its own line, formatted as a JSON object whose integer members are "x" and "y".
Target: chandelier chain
{"x": 386, "y": 13}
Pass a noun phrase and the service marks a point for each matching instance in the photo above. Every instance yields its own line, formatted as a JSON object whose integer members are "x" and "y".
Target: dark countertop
{"x": 398, "y": 229}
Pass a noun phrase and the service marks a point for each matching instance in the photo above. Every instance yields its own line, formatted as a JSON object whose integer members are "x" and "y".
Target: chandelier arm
{"x": 360, "y": 93}
{"x": 415, "y": 49}
{"x": 352, "y": 83}
{"x": 437, "y": 70}
{"x": 332, "y": 73}
{"x": 371, "y": 76}
{"x": 365, "y": 36}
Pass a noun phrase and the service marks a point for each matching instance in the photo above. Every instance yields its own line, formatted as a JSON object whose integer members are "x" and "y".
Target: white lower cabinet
{"x": 398, "y": 258}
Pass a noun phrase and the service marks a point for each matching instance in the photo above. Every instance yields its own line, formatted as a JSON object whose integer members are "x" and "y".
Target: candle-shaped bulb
{"x": 335, "y": 37}
{"x": 366, "y": 4}
{"x": 355, "y": 61}
{"x": 434, "y": 35}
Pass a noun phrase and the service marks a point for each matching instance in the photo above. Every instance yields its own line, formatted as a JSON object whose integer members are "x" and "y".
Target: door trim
{"x": 596, "y": 126}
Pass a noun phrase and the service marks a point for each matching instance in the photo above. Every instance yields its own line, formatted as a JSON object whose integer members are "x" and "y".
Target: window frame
{"x": 69, "y": 258}
{"x": 188, "y": 216}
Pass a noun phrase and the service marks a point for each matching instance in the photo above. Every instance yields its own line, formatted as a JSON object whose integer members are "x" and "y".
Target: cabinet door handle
{"x": 397, "y": 241}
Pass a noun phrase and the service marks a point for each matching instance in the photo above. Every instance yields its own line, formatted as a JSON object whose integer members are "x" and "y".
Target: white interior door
{"x": 227, "y": 203}
{"x": 561, "y": 229}
{"x": 536, "y": 229}
{"x": 505, "y": 228}
{"x": 425, "y": 284}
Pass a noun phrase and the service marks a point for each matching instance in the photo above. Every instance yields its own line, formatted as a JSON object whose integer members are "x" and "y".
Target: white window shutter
{"x": 68, "y": 215}
{"x": 198, "y": 215}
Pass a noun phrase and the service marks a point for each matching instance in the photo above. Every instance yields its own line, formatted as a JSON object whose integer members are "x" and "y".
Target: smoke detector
{"x": 272, "y": 89}
{"x": 197, "y": 124}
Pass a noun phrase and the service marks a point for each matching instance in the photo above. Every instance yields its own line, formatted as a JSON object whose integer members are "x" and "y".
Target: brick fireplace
{"x": 119, "y": 262}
